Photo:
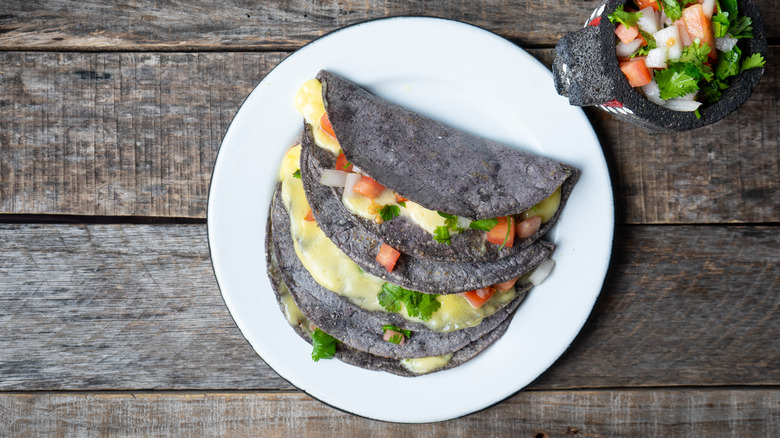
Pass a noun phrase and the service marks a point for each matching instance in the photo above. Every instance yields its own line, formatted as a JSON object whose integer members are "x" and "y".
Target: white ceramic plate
{"x": 464, "y": 76}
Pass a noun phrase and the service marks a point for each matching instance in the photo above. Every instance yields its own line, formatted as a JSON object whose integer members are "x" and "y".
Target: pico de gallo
{"x": 681, "y": 54}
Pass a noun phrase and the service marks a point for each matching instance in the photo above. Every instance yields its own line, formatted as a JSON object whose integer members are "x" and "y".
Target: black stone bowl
{"x": 586, "y": 71}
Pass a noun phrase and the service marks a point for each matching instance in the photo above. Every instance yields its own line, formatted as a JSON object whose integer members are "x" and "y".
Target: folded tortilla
{"x": 361, "y": 244}
{"x": 359, "y": 328}
{"x": 440, "y": 168}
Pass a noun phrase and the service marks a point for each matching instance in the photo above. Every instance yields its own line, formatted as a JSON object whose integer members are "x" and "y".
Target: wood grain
{"x": 542, "y": 414}
{"x": 136, "y": 134}
{"x": 94, "y": 307}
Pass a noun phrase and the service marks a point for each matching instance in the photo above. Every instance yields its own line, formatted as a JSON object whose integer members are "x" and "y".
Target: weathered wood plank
{"x": 137, "y": 134}
{"x": 692, "y": 413}
{"x": 136, "y": 307}
{"x": 269, "y": 25}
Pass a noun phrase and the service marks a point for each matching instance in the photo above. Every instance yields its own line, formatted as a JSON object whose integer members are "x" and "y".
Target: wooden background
{"x": 111, "y": 322}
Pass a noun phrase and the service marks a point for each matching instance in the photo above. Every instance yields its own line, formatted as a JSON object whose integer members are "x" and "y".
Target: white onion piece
{"x": 708, "y": 7}
{"x": 689, "y": 96}
{"x": 664, "y": 19}
{"x": 349, "y": 186}
{"x": 685, "y": 37}
{"x": 648, "y": 22}
{"x": 678, "y": 104}
{"x": 656, "y": 58}
{"x": 626, "y": 50}
{"x": 725, "y": 44}
{"x": 669, "y": 37}
{"x": 333, "y": 178}
{"x": 357, "y": 169}
{"x": 653, "y": 93}
{"x": 541, "y": 272}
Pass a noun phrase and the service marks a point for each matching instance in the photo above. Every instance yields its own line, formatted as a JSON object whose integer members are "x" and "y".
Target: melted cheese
{"x": 545, "y": 209}
{"x": 332, "y": 269}
{"x": 424, "y": 365}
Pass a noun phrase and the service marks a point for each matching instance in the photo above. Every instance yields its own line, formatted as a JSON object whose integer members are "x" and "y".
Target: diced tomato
{"x": 645, "y": 3}
{"x": 699, "y": 27}
{"x": 387, "y": 257}
{"x": 636, "y": 72}
{"x": 479, "y": 297}
{"x": 326, "y": 126}
{"x": 309, "y": 217}
{"x": 367, "y": 187}
{"x": 503, "y": 233}
{"x": 399, "y": 198}
{"x": 342, "y": 163}
{"x": 529, "y": 227}
{"x": 506, "y": 285}
{"x": 613, "y": 103}
{"x": 595, "y": 21}
{"x": 390, "y": 333}
{"x": 685, "y": 39}
{"x": 626, "y": 34}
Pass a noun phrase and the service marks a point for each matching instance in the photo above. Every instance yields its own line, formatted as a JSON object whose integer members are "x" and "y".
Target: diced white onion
{"x": 333, "y": 178}
{"x": 725, "y": 44}
{"x": 669, "y": 37}
{"x": 664, "y": 19}
{"x": 653, "y": 93}
{"x": 708, "y": 7}
{"x": 626, "y": 50}
{"x": 541, "y": 272}
{"x": 678, "y": 104}
{"x": 685, "y": 37}
{"x": 357, "y": 169}
{"x": 648, "y": 22}
{"x": 349, "y": 185}
{"x": 656, "y": 58}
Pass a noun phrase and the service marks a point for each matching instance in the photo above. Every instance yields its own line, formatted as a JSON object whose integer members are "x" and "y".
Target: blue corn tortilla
{"x": 358, "y": 328}
{"x": 434, "y": 165}
{"x": 361, "y": 245}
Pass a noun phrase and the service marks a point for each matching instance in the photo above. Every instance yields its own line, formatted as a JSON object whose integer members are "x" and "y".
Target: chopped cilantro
{"x": 675, "y": 83}
{"x": 324, "y": 345}
{"x": 728, "y": 64}
{"x": 402, "y": 204}
{"x": 389, "y": 211}
{"x": 418, "y": 304}
{"x": 753, "y": 61}
{"x": 297, "y": 174}
{"x": 720, "y": 25}
{"x": 683, "y": 75}
{"x": 626, "y": 18}
{"x": 400, "y": 333}
{"x": 484, "y": 224}
{"x": 442, "y": 235}
{"x": 742, "y": 27}
{"x": 346, "y": 165}
{"x": 671, "y": 8}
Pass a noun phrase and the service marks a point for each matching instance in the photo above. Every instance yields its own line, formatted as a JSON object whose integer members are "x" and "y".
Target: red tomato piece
{"x": 342, "y": 163}
{"x": 529, "y": 227}
{"x": 387, "y": 257}
{"x": 368, "y": 187}
{"x": 399, "y": 198}
{"x": 506, "y": 285}
{"x": 309, "y": 217}
{"x": 326, "y": 126}
{"x": 595, "y": 21}
{"x": 479, "y": 297}
{"x": 390, "y": 333}
{"x": 645, "y": 3}
{"x": 626, "y": 34}
{"x": 636, "y": 72}
{"x": 699, "y": 27}
{"x": 503, "y": 233}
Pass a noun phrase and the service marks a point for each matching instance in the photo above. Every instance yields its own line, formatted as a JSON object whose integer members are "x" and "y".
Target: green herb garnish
{"x": 389, "y": 211}
{"x": 442, "y": 233}
{"x": 324, "y": 345}
{"x": 297, "y": 174}
{"x": 484, "y": 224}
{"x": 400, "y": 333}
{"x": 671, "y": 8}
{"x": 626, "y": 18}
{"x": 418, "y": 304}
{"x": 402, "y": 204}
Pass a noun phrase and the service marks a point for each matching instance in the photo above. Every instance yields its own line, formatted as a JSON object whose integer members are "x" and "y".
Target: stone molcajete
{"x": 586, "y": 71}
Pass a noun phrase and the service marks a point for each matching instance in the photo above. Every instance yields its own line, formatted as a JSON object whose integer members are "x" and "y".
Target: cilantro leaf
{"x": 626, "y": 18}
{"x": 484, "y": 224}
{"x": 675, "y": 82}
{"x": 753, "y": 61}
{"x": 729, "y": 7}
{"x": 742, "y": 27}
{"x": 728, "y": 63}
{"x": 297, "y": 174}
{"x": 671, "y": 8}
{"x": 402, "y": 204}
{"x": 389, "y": 211}
{"x": 399, "y": 335}
{"x": 324, "y": 345}
{"x": 720, "y": 25}
{"x": 442, "y": 235}
{"x": 418, "y": 304}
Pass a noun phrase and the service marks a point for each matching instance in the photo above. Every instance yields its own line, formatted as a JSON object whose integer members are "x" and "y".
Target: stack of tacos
{"x": 400, "y": 244}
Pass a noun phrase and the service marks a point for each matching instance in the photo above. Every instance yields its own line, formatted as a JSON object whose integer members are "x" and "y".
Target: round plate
{"x": 463, "y": 76}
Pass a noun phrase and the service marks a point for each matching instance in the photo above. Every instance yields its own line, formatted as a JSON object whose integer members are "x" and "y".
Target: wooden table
{"x": 111, "y": 321}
